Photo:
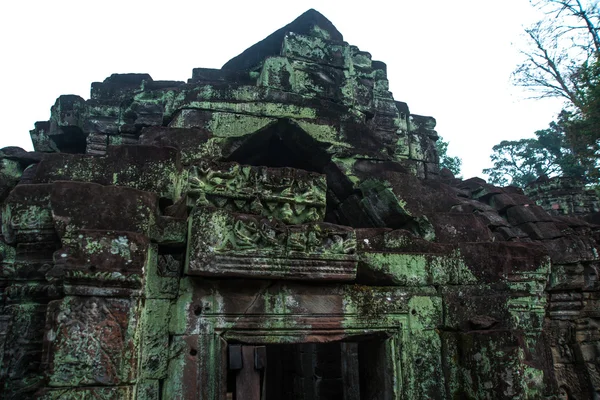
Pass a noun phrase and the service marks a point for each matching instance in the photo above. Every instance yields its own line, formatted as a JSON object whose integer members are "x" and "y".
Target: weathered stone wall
{"x": 279, "y": 200}
{"x": 564, "y": 196}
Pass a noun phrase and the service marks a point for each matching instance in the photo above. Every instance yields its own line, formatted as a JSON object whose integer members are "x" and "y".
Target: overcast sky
{"x": 448, "y": 59}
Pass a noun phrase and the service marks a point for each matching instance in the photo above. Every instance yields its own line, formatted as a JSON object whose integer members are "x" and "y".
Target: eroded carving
{"x": 224, "y": 243}
{"x": 290, "y": 195}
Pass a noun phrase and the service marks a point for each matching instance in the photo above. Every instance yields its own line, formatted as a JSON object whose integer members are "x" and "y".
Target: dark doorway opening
{"x": 283, "y": 144}
{"x": 310, "y": 371}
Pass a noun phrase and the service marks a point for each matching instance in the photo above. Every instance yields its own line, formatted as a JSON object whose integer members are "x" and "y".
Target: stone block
{"x": 170, "y": 231}
{"x": 541, "y": 230}
{"x": 102, "y": 258}
{"x": 479, "y": 189}
{"x": 212, "y": 75}
{"x": 502, "y": 201}
{"x": 68, "y": 112}
{"x": 277, "y": 73}
{"x": 508, "y": 233}
{"x": 459, "y": 227}
{"x": 26, "y": 215}
{"x": 10, "y": 173}
{"x": 476, "y": 308}
{"x": 90, "y": 393}
{"x": 102, "y": 117}
{"x": 24, "y": 332}
{"x": 119, "y": 85}
{"x": 78, "y": 205}
{"x": 315, "y": 80}
{"x": 225, "y": 244}
{"x": 288, "y": 194}
{"x": 194, "y": 144}
{"x": 361, "y": 59}
{"x": 182, "y": 382}
{"x": 150, "y": 168}
{"x": 27, "y": 261}
{"x": 298, "y": 308}
{"x": 221, "y": 124}
{"x": 92, "y": 341}
{"x": 358, "y": 93}
{"x": 527, "y": 213}
{"x": 155, "y": 339}
{"x": 495, "y": 362}
{"x": 96, "y": 144}
{"x": 505, "y": 261}
{"x": 572, "y": 249}
{"x": 406, "y": 269}
{"x": 317, "y": 50}
{"x": 162, "y": 272}
{"x": 424, "y": 350}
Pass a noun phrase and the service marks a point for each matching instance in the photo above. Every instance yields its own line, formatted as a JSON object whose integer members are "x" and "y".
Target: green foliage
{"x": 452, "y": 163}
{"x": 548, "y": 154}
{"x": 558, "y": 46}
{"x": 583, "y": 125}
{"x": 562, "y": 60}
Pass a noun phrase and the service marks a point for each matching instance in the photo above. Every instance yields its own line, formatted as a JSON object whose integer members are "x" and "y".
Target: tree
{"x": 562, "y": 60}
{"x": 559, "y": 46}
{"x": 522, "y": 161}
{"x": 583, "y": 127}
{"x": 518, "y": 162}
{"x": 452, "y": 163}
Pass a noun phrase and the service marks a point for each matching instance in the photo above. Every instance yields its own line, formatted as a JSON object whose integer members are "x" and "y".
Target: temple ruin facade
{"x": 279, "y": 229}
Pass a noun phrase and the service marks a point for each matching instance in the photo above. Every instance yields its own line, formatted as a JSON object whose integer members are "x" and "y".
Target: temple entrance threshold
{"x": 308, "y": 371}
{"x": 275, "y": 340}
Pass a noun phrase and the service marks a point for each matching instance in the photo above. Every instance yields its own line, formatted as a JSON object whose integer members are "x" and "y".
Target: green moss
{"x": 346, "y": 165}
{"x": 236, "y": 125}
{"x": 156, "y": 286}
{"x": 96, "y": 393}
{"x": 174, "y": 384}
{"x": 316, "y": 49}
{"x": 322, "y": 133}
{"x": 11, "y": 169}
{"x": 260, "y": 109}
{"x": 178, "y": 316}
{"x": 155, "y": 339}
{"x": 402, "y": 269}
{"x": 148, "y": 390}
{"x": 277, "y": 73}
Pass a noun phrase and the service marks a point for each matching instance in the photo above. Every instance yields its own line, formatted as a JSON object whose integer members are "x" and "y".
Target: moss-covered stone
{"x": 286, "y": 200}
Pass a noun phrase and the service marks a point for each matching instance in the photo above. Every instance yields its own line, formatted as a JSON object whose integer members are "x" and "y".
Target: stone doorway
{"x": 309, "y": 371}
{"x": 370, "y": 330}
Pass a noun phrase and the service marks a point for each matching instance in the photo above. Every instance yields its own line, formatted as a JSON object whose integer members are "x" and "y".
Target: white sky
{"x": 448, "y": 59}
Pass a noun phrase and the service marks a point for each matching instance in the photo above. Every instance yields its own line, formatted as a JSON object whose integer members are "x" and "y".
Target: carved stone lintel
{"x": 226, "y": 244}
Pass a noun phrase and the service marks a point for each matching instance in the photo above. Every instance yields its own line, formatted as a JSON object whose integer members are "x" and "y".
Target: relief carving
{"x": 95, "y": 335}
{"x": 290, "y": 195}
{"x": 225, "y": 243}
{"x": 168, "y": 266}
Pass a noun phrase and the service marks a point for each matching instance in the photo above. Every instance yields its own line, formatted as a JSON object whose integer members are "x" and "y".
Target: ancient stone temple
{"x": 279, "y": 229}
{"x": 564, "y": 196}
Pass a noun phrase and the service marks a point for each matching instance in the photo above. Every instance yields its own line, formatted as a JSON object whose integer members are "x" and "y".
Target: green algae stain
{"x": 236, "y": 125}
